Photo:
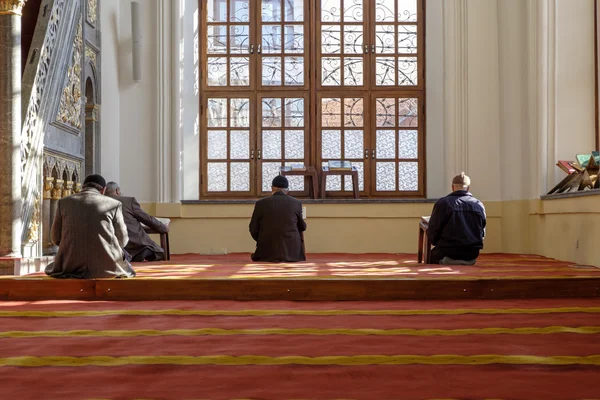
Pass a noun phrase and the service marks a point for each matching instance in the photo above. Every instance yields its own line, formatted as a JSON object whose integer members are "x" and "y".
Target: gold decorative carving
{"x": 69, "y": 111}
{"x": 57, "y": 190}
{"x": 34, "y": 226}
{"x": 92, "y": 11}
{"x": 68, "y": 169}
{"x": 77, "y": 188}
{"x": 48, "y": 186}
{"x": 11, "y": 7}
{"x": 90, "y": 54}
{"x": 68, "y": 189}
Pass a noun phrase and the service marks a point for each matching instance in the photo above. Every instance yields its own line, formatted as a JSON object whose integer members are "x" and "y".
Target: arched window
{"x": 310, "y": 81}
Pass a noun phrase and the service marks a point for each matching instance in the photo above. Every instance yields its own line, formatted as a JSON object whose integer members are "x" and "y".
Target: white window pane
{"x": 271, "y": 112}
{"x": 240, "y": 177}
{"x": 294, "y": 145}
{"x": 294, "y": 113}
{"x": 271, "y": 145}
{"x": 385, "y": 176}
{"x": 408, "y": 176}
{"x": 296, "y": 182}
{"x": 240, "y": 145}
{"x": 407, "y": 10}
{"x": 386, "y": 144}
{"x": 269, "y": 171}
{"x": 408, "y": 144}
{"x": 407, "y": 71}
{"x": 217, "y": 113}
{"x": 333, "y": 183}
{"x": 217, "y": 177}
{"x": 217, "y": 145}
{"x": 331, "y": 144}
{"x": 353, "y": 144}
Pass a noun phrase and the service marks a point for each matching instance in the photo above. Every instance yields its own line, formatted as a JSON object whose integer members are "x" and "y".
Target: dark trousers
{"x": 148, "y": 255}
{"x": 455, "y": 253}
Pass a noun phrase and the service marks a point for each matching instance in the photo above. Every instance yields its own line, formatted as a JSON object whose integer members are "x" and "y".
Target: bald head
{"x": 460, "y": 182}
{"x": 112, "y": 188}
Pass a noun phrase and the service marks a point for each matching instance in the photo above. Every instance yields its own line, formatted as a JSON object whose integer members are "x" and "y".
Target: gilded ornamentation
{"x": 32, "y": 137}
{"x": 69, "y": 111}
{"x": 48, "y": 186}
{"x": 92, "y": 11}
{"x": 33, "y": 234}
{"x": 68, "y": 190}
{"x": 77, "y": 188}
{"x": 57, "y": 190}
{"x": 90, "y": 54}
{"x": 11, "y": 7}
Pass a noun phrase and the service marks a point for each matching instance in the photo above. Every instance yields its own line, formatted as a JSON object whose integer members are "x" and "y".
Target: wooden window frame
{"x": 313, "y": 91}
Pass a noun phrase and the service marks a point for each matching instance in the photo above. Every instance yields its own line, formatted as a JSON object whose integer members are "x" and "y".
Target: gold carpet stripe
{"x": 440, "y": 359}
{"x": 266, "y": 313}
{"x": 586, "y": 330}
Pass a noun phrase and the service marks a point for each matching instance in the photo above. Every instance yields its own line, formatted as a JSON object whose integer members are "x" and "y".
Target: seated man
{"x": 90, "y": 234}
{"x": 457, "y": 225}
{"x": 277, "y": 226}
{"x": 140, "y": 246}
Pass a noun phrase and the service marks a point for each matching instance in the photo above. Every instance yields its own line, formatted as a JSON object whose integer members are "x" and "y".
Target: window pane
{"x": 332, "y": 72}
{"x": 333, "y": 182}
{"x": 240, "y": 145}
{"x": 240, "y": 71}
{"x": 408, "y": 144}
{"x": 271, "y": 112}
{"x": 271, "y": 145}
{"x": 239, "y": 39}
{"x": 217, "y": 177}
{"x": 384, "y": 10}
{"x": 385, "y": 177}
{"x": 330, "y": 11}
{"x": 331, "y": 112}
{"x": 353, "y": 144}
{"x": 408, "y": 112}
{"x": 269, "y": 171}
{"x": 217, "y": 10}
{"x": 240, "y": 11}
{"x": 407, "y": 10}
{"x": 385, "y": 38}
{"x": 217, "y": 39}
{"x": 294, "y": 113}
{"x": 385, "y": 71}
{"x": 271, "y": 71}
{"x": 271, "y": 39}
{"x": 361, "y": 178}
{"x": 407, "y": 71}
{"x": 293, "y": 40}
{"x": 293, "y": 10}
{"x": 217, "y": 113}
{"x": 240, "y": 113}
{"x": 271, "y": 10}
{"x": 354, "y": 115}
{"x": 294, "y": 71}
{"x": 407, "y": 39}
{"x": 240, "y": 176}
{"x": 353, "y": 71}
{"x": 386, "y": 112}
{"x": 331, "y": 42}
{"x": 408, "y": 176}
{"x": 353, "y": 10}
{"x": 386, "y": 144}
{"x": 331, "y": 144}
{"x": 296, "y": 182}
{"x": 294, "y": 145}
{"x": 217, "y": 71}
{"x": 217, "y": 145}
{"x": 353, "y": 39}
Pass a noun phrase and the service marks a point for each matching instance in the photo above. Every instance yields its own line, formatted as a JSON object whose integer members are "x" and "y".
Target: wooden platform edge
{"x": 295, "y": 290}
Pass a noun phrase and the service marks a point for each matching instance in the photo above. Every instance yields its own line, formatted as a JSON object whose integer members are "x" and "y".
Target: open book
{"x": 425, "y": 219}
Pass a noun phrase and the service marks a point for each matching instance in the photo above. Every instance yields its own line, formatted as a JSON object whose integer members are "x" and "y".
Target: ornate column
{"x": 47, "y": 216}
{"x": 55, "y": 195}
{"x": 10, "y": 128}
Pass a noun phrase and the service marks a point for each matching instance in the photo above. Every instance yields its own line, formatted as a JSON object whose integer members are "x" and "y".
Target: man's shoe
{"x": 450, "y": 261}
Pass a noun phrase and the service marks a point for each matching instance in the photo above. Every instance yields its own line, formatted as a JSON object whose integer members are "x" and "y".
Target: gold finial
{"x": 11, "y": 7}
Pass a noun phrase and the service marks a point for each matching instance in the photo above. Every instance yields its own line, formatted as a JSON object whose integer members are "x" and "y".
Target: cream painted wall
{"x": 110, "y": 109}
{"x": 575, "y": 118}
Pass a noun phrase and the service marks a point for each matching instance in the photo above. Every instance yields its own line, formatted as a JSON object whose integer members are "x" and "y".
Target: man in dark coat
{"x": 277, "y": 226}
{"x": 140, "y": 246}
{"x": 457, "y": 226}
{"x": 90, "y": 234}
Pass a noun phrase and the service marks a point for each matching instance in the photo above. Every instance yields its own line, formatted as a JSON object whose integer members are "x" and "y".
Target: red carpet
{"x": 543, "y": 349}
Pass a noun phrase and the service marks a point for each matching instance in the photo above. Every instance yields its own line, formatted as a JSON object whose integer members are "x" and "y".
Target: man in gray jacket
{"x": 90, "y": 233}
{"x": 140, "y": 246}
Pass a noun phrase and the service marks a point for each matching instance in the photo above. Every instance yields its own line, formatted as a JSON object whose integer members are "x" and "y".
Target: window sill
{"x": 583, "y": 193}
{"x": 318, "y": 201}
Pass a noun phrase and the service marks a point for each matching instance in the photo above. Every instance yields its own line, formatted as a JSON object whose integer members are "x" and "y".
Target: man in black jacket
{"x": 457, "y": 225}
{"x": 277, "y": 226}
